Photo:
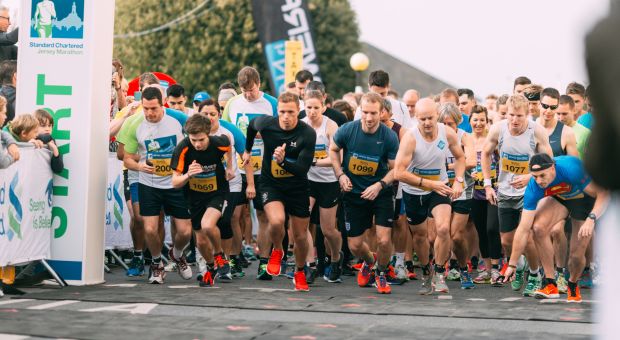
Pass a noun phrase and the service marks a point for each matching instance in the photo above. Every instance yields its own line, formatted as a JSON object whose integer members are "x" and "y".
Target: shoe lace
{"x": 300, "y": 278}
{"x": 382, "y": 281}
{"x": 276, "y": 257}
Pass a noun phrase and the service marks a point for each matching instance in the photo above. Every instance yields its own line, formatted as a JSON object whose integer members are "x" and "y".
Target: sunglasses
{"x": 545, "y": 106}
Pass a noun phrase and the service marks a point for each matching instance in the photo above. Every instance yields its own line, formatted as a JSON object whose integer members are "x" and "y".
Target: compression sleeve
{"x": 302, "y": 165}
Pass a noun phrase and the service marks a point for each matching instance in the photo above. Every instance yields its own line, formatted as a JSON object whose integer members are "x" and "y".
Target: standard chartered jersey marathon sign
{"x": 60, "y": 71}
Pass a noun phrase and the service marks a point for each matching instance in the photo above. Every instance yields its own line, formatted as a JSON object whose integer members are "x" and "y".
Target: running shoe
{"x": 207, "y": 278}
{"x": 466, "y": 282}
{"x": 454, "y": 275}
{"x": 191, "y": 258}
{"x": 533, "y": 284}
{"x": 136, "y": 267}
{"x": 170, "y": 267}
{"x": 550, "y": 291}
{"x": 274, "y": 266}
{"x": 364, "y": 276}
{"x": 243, "y": 261}
{"x": 248, "y": 253}
{"x": 496, "y": 278}
{"x": 335, "y": 271}
{"x": 157, "y": 274}
{"x": 401, "y": 272}
{"x": 235, "y": 268}
{"x": 283, "y": 268}
{"x": 574, "y": 296}
{"x": 182, "y": 267}
{"x": 310, "y": 274}
{"x": 416, "y": 260}
{"x": 561, "y": 282}
{"x": 586, "y": 279}
{"x": 326, "y": 272}
{"x": 382, "y": 285}
{"x": 299, "y": 280}
{"x": 427, "y": 287}
{"x": 347, "y": 270}
{"x": 392, "y": 277}
{"x": 482, "y": 278}
{"x": 8, "y": 275}
{"x": 357, "y": 266}
{"x": 262, "y": 272}
{"x": 439, "y": 283}
{"x": 517, "y": 283}
{"x": 223, "y": 268}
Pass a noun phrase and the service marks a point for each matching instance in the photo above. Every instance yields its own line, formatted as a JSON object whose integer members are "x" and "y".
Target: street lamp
{"x": 359, "y": 63}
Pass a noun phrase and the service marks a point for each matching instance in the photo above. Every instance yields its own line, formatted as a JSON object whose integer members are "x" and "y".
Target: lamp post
{"x": 359, "y": 63}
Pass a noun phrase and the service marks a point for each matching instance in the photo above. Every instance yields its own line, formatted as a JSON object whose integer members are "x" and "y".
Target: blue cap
{"x": 200, "y": 96}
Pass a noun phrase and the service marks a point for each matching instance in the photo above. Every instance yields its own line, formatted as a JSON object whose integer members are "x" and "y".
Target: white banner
{"x": 117, "y": 218}
{"x": 65, "y": 67}
{"x": 26, "y": 208}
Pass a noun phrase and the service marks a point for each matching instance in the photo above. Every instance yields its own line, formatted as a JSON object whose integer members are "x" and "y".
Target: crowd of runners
{"x": 444, "y": 187}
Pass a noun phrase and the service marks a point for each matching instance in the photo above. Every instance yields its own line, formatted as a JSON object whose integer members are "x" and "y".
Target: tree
{"x": 218, "y": 37}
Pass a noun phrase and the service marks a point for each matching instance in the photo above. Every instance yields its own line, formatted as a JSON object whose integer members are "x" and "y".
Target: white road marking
{"x": 511, "y": 299}
{"x": 475, "y": 299}
{"x": 444, "y": 297}
{"x": 133, "y": 308}
{"x": 8, "y": 302}
{"x": 267, "y": 290}
{"x": 124, "y": 285}
{"x": 53, "y": 304}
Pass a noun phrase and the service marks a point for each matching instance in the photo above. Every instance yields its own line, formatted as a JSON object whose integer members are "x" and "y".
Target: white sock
{"x": 521, "y": 263}
{"x": 177, "y": 253}
{"x": 400, "y": 259}
{"x": 534, "y": 272}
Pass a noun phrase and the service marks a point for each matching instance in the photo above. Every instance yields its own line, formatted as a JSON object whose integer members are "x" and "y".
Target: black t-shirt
{"x": 330, "y": 113}
{"x": 298, "y": 156}
{"x": 213, "y": 178}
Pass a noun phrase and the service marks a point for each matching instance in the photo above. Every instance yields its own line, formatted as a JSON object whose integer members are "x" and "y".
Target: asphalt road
{"x": 125, "y": 308}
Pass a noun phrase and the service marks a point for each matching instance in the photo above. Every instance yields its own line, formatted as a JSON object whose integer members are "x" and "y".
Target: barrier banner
{"x": 278, "y": 21}
{"x": 117, "y": 218}
{"x": 26, "y": 208}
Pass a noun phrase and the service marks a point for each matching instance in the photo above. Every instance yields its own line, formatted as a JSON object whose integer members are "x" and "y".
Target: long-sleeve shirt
{"x": 5, "y": 140}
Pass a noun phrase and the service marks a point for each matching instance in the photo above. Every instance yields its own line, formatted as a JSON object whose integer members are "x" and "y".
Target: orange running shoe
{"x": 574, "y": 297}
{"x": 357, "y": 266}
{"x": 504, "y": 267}
{"x": 364, "y": 276}
{"x": 550, "y": 291}
{"x": 8, "y": 275}
{"x": 275, "y": 262}
{"x": 206, "y": 279}
{"x": 299, "y": 280}
{"x": 382, "y": 285}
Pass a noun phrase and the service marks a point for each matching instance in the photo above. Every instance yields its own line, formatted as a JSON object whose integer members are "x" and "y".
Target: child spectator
{"x": 9, "y": 152}
{"x": 46, "y": 125}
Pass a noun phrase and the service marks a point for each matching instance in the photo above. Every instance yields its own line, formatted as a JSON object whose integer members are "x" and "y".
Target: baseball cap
{"x": 226, "y": 94}
{"x": 541, "y": 161}
{"x": 200, "y": 96}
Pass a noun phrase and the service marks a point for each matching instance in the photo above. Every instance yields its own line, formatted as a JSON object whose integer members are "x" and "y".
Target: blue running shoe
{"x": 136, "y": 267}
{"x": 586, "y": 279}
{"x": 466, "y": 281}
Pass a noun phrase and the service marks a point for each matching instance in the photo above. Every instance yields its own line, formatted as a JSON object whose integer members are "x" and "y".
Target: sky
{"x": 484, "y": 44}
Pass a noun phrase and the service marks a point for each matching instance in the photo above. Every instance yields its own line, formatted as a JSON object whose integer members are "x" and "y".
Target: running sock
{"x": 474, "y": 262}
{"x": 560, "y": 270}
{"x": 464, "y": 269}
{"x": 572, "y": 285}
{"x": 495, "y": 266}
{"x": 409, "y": 266}
{"x": 534, "y": 272}
{"x": 547, "y": 281}
{"x": 400, "y": 259}
{"x": 454, "y": 264}
{"x": 300, "y": 269}
{"x": 156, "y": 260}
{"x": 312, "y": 264}
{"x": 426, "y": 269}
{"x": 439, "y": 269}
{"x": 138, "y": 254}
{"x": 263, "y": 260}
{"x": 210, "y": 266}
{"x": 381, "y": 268}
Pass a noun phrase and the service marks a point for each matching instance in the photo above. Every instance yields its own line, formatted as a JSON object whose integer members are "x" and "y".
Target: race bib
{"x": 162, "y": 166}
{"x": 320, "y": 151}
{"x": 478, "y": 178}
{"x": 429, "y": 174}
{"x": 516, "y": 164}
{"x": 203, "y": 182}
{"x": 277, "y": 171}
{"x": 256, "y": 160}
{"x": 363, "y": 165}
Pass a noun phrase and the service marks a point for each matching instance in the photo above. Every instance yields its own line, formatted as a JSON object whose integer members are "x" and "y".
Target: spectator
{"x": 8, "y": 79}
{"x": 24, "y": 128}
{"x": 176, "y": 99}
{"x": 199, "y": 98}
{"x": 46, "y": 125}
{"x": 119, "y": 92}
{"x": 9, "y": 152}
{"x": 344, "y": 107}
{"x": 8, "y": 49}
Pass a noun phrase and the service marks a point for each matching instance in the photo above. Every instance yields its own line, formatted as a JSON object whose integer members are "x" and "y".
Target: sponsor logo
{"x": 57, "y": 19}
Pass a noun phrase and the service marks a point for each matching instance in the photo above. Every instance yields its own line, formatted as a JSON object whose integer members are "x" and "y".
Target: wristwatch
{"x": 460, "y": 179}
{"x": 383, "y": 184}
{"x": 592, "y": 216}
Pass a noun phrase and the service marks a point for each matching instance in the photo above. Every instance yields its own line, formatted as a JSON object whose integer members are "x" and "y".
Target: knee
{"x": 540, "y": 230}
{"x": 355, "y": 244}
{"x": 300, "y": 238}
{"x": 384, "y": 241}
{"x": 443, "y": 231}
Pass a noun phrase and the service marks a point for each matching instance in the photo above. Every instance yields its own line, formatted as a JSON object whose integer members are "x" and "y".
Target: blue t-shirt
{"x": 237, "y": 135}
{"x": 366, "y": 155}
{"x": 465, "y": 126}
{"x": 569, "y": 182}
{"x": 178, "y": 115}
{"x": 586, "y": 120}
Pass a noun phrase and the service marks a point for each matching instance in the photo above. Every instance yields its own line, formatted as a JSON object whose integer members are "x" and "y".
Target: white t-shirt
{"x": 236, "y": 182}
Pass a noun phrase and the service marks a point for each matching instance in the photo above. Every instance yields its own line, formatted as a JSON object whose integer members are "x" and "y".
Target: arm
{"x": 305, "y": 158}
{"x": 542, "y": 140}
{"x": 56, "y": 162}
{"x": 571, "y": 141}
{"x": 459, "y": 162}
{"x": 485, "y": 162}
{"x": 336, "y": 154}
{"x": 521, "y": 236}
{"x": 470, "y": 153}
{"x": 5, "y": 160}
{"x": 600, "y": 204}
{"x": 7, "y": 39}
{"x": 179, "y": 179}
{"x": 331, "y": 131}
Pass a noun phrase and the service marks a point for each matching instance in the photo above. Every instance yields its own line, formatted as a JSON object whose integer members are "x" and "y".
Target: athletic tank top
{"x": 321, "y": 151}
{"x": 398, "y": 190}
{"x": 515, "y": 153}
{"x": 478, "y": 178}
{"x": 555, "y": 140}
{"x": 429, "y": 160}
{"x": 467, "y": 186}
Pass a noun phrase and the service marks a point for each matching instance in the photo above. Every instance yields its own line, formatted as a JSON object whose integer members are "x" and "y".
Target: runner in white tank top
{"x": 324, "y": 186}
{"x": 421, "y": 166}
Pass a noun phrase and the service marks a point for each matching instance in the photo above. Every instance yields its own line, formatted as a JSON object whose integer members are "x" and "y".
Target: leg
{"x": 299, "y": 225}
{"x": 263, "y": 238}
{"x": 274, "y": 212}
{"x": 560, "y": 244}
{"x": 459, "y": 237}
{"x": 549, "y": 213}
{"x": 384, "y": 246}
{"x": 330, "y": 232}
{"x": 577, "y": 257}
{"x": 442, "y": 214}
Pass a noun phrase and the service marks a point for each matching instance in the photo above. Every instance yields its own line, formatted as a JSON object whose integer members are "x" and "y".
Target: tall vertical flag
{"x": 278, "y": 21}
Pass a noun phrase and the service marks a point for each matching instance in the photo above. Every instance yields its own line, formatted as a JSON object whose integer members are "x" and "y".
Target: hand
{"x": 457, "y": 189}
{"x": 372, "y": 192}
{"x": 37, "y": 143}
{"x": 491, "y": 195}
{"x": 250, "y": 192}
{"x": 116, "y": 81}
{"x": 131, "y": 109}
{"x": 143, "y": 167}
{"x": 508, "y": 274}
{"x": 519, "y": 182}
{"x": 587, "y": 229}
{"x": 279, "y": 152}
{"x": 53, "y": 148}
{"x": 194, "y": 169}
{"x": 230, "y": 174}
{"x": 345, "y": 183}
{"x": 439, "y": 187}
{"x": 13, "y": 150}
{"x": 246, "y": 158}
